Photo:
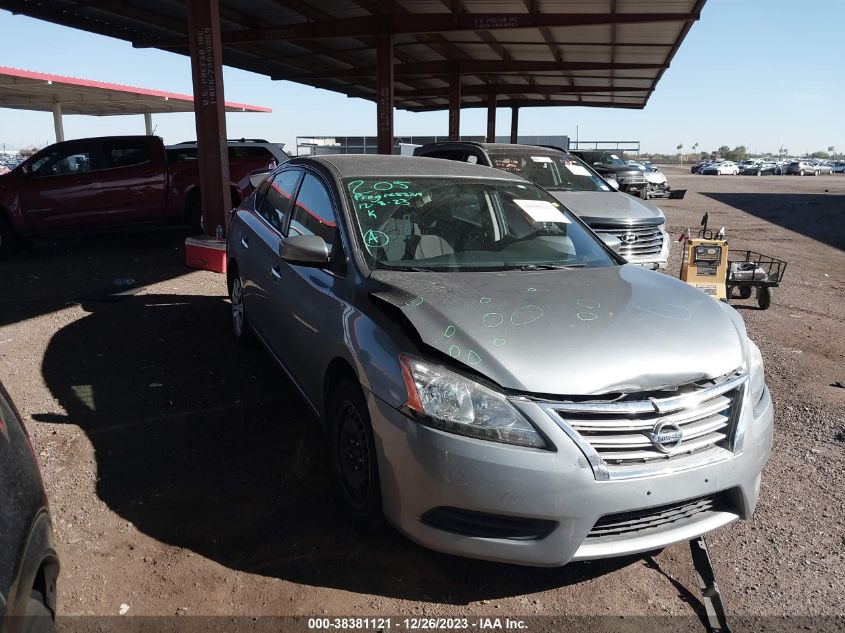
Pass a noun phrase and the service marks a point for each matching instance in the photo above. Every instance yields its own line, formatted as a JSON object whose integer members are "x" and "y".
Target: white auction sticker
{"x": 542, "y": 211}
{"x": 542, "y": 159}
{"x": 578, "y": 170}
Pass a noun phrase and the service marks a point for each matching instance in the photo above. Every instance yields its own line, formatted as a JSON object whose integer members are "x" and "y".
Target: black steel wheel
{"x": 744, "y": 292}
{"x": 353, "y": 454}
{"x": 764, "y": 297}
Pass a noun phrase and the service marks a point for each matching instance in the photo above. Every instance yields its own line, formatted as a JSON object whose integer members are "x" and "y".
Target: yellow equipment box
{"x": 705, "y": 265}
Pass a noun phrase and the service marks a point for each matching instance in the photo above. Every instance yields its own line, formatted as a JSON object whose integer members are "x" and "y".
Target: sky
{"x": 766, "y": 74}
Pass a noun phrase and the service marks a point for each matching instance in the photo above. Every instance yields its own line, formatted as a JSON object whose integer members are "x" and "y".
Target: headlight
{"x": 452, "y": 403}
{"x": 755, "y": 371}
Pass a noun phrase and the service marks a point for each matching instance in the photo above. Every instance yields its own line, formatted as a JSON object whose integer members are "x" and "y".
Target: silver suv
{"x": 491, "y": 377}
{"x": 638, "y": 224}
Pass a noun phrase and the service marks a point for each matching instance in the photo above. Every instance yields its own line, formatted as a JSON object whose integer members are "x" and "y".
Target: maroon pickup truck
{"x": 98, "y": 183}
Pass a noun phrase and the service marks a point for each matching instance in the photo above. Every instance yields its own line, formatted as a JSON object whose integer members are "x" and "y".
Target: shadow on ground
{"x": 206, "y": 446}
{"x": 58, "y": 272}
{"x": 818, "y": 216}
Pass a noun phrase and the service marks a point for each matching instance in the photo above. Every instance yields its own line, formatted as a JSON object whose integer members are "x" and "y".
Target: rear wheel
{"x": 764, "y": 297}
{"x": 816, "y": 173}
{"x": 353, "y": 455}
{"x": 744, "y": 292}
{"x": 240, "y": 322}
{"x": 801, "y": 173}
{"x": 7, "y": 237}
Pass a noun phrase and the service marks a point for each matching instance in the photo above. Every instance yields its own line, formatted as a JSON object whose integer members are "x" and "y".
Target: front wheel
{"x": 816, "y": 173}
{"x": 801, "y": 173}
{"x": 352, "y": 450}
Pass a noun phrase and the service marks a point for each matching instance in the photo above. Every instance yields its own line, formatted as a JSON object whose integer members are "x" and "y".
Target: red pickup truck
{"x": 97, "y": 183}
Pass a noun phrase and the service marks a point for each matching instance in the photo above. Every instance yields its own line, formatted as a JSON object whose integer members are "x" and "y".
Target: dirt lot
{"x": 186, "y": 476}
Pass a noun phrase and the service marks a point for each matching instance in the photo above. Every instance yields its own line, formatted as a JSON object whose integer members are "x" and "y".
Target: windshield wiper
{"x": 550, "y": 266}
{"x": 411, "y": 269}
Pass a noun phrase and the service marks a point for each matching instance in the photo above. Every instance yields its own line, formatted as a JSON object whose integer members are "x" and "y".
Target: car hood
{"x": 569, "y": 332}
{"x": 601, "y": 206}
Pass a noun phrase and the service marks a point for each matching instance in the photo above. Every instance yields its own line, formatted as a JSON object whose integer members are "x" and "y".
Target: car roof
{"x": 362, "y": 165}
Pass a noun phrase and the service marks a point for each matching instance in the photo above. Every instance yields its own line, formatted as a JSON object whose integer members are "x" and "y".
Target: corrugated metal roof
{"x": 605, "y": 53}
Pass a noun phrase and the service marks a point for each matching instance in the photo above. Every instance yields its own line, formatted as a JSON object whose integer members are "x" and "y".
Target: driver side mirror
{"x": 611, "y": 240}
{"x": 307, "y": 250}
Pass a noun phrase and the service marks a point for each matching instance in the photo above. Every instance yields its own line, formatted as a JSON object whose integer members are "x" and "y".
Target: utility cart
{"x": 748, "y": 270}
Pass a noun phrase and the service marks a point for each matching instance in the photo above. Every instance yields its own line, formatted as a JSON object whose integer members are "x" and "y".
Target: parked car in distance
{"x": 29, "y": 565}
{"x": 639, "y": 224}
{"x": 476, "y": 355}
{"x": 698, "y": 166}
{"x": 100, "y": 183}
{"x": 823, "y": 168}
{"x": 721, "y": 168}
{"x": 802, "y": 168}
{"x": 759, "y": 169}
{"x": 839, "y": 167}
{"x": 631, "y": 180}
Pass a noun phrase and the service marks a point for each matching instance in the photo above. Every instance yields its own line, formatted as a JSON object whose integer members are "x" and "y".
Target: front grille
{"x": 623, "y": 434}
{"x": 637, "y": 241}
{"x": 647, "y": 521}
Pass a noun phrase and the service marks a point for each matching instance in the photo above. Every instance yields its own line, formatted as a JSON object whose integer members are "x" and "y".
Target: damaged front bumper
{"x": 505, "y": 503}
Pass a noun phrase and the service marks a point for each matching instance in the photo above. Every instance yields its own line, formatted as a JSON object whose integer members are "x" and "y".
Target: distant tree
{"x": 723, "y": 151}
{"x": 821, "y": 155}
{"x": 26, "y": 152}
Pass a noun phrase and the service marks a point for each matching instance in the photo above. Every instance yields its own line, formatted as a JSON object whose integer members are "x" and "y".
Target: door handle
{"x": 244, "y": 242}
{"x": 276, "y": 272}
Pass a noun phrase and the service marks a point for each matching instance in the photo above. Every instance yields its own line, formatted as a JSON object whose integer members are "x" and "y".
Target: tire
{"x": 759, "y": 173}
{"x": 8, "y": 242}
{"x": 801, "y": 173}
{"x": 816, "y": 173}
{"x": 240, "y": 322}
{"x": 352, "y": 451}
{"x": 38, "y": 619}
{"x": 764, "y": 297}
{"x": 745, "y": 292}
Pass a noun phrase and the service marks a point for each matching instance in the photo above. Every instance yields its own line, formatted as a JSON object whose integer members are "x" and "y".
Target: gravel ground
{"x": 186, "y": 476}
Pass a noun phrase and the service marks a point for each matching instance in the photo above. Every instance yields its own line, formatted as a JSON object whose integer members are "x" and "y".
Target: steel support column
{"x": 57, "y": 122}
{"x": 148, "y": 123}
{"x": 209, "y": 111}
{"x": 514, "y": 124}
{"x": 384, "y": 93}
{"x": 455, "y": 108}
{"x": 491, "y": 116}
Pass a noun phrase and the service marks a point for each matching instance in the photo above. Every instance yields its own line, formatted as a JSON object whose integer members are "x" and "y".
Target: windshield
{"x": 456, "y": 224}
{"x": 551, "y": 170}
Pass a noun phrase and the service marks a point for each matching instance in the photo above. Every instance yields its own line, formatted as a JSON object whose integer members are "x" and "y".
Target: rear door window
{"x": 127, "y": 153}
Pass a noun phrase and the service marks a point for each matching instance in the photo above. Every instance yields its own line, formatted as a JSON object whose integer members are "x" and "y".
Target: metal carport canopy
{"x": 604, "y": 53}
{"x": 413, "y": 54}
{"x": 29, "y": 90}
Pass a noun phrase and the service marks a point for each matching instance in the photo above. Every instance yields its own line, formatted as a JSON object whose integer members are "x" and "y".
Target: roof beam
{"x": 473, "y": 67}
{"x": 512, "y": 89}
{"x": 526, "y": 103}
{"x": 422, "y": 23}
